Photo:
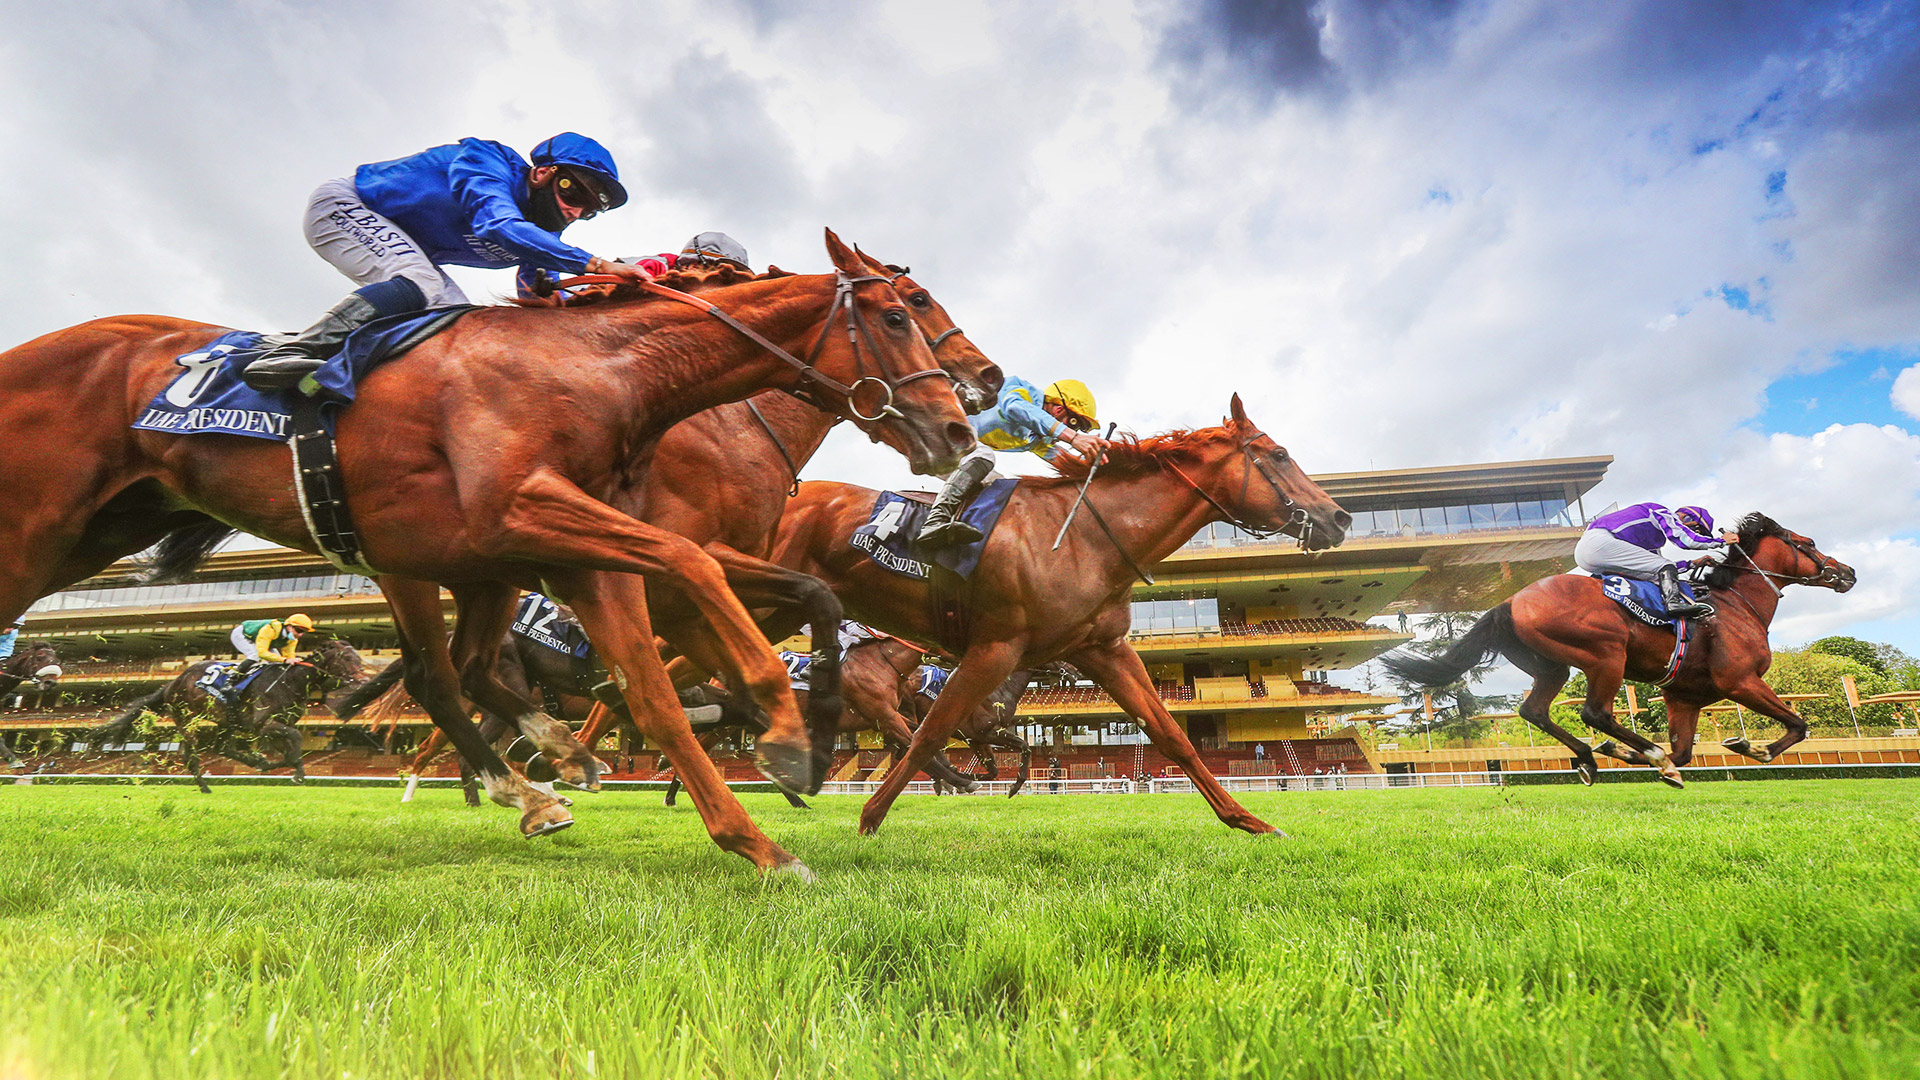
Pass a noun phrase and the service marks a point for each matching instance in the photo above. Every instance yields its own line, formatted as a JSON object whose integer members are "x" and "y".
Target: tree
{"x": 1864, "y": 652}
{"x": 1437, "y": 633}
{"x": 1805, "y": 671}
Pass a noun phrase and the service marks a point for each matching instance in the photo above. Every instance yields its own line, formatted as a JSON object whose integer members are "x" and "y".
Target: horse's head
{"x": 1272, "y": 494}
{"x": 896, "y": 392}
{"x": 339, "y": 661}
{"x": 1782, "y": 556}
{"x": 976, "y": 379}
{"x": 36, "y": 661}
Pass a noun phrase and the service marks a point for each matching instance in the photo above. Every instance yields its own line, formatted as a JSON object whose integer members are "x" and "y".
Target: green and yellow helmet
{"x": 1073, "y": 395}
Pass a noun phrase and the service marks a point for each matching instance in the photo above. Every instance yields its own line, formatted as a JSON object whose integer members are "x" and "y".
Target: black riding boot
{"x": 943, "y": 527}
{"x": 1677, "y": 603}
{"x": 286, "y": 364}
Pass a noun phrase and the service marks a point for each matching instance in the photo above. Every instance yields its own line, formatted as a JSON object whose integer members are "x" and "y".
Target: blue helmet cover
{"x": 580, "y": 152}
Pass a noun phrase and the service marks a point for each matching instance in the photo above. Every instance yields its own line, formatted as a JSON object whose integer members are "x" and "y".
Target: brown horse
{"x": 484, "y": 459}
{"x": 989, "y": 729}
{"x": 722, "y": 479}
{"x": 266, "y": 712}
{"x": 1028, "y": 605}
{"x": 1566, "y": 622}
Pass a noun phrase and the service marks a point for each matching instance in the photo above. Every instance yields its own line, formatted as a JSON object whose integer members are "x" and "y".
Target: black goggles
{"x": 577, "y": 191}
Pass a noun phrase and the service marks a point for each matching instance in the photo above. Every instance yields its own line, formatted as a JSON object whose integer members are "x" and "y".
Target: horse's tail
{"x": 1492, "y": 634}
{"x": 181, "y": 551}
{"x": 117, "y": 729}
{"x": 368, "y": 692}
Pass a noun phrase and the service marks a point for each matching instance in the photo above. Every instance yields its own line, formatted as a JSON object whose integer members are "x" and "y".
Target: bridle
{"x": 812, "y": 380}
{"x": 1825, "y": 573}
{"x": 1255, "y": 462}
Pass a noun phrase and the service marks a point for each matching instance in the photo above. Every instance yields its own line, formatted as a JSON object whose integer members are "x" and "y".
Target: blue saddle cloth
{"x": 217, "y": 680}
{"x": 540, "y": 621}
{"x": 930, "y": 680}
{"x": 1641, "y": 599}
{"x": 889, "y": 534}
{"x": 208, "y": 396}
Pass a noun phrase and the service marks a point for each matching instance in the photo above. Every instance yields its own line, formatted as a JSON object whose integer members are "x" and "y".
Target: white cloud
{"x": 1906, "y": 392}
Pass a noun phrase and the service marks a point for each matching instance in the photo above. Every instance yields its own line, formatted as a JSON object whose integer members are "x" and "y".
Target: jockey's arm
{"x": 484, "y": 184}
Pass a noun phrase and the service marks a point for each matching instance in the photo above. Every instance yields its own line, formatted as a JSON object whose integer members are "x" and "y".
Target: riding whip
{"x": 1077, "y": 499}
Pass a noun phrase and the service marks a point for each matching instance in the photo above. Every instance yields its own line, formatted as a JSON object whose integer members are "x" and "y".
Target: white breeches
{"x": 244, "y": 645}
{"x": 367, "y": 247}
{"x": 1601, "y": 552}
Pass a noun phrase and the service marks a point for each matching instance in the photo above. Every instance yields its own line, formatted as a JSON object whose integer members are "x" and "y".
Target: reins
{"x": 810, "y": 376}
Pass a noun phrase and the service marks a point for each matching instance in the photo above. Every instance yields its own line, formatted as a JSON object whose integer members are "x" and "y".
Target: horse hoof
{"x": 1675, "y": 781}
{"x": 797, "y": 869}
{"x": 545, "y": 820}
{"x": 789, "y": 767}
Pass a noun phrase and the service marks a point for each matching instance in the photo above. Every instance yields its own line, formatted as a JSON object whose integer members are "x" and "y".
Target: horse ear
{"x": 843, "y": 256}
{"x": 1239, "y": 411}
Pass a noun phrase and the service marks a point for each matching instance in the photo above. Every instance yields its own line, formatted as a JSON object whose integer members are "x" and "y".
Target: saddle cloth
{"x": 207, "y": 397}
{"x": 930, "y": 680}
{"x": 215, "y": 680}
{"x": 851, "y": 634}
{"x": 1641, "y": 599}
{"x": 889, "y": 534}
{"x": 540, "y": 621}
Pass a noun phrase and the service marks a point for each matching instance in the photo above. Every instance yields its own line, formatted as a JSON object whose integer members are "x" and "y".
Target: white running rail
{"x": 1344, "y": 782}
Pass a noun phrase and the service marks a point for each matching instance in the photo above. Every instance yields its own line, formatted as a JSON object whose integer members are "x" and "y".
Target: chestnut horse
{"x": 1566, "y": 622}
{"x": 1029, "y": 605}
{"x": 484, "y": 459}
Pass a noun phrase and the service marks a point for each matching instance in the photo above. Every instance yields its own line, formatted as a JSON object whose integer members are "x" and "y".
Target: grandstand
{"x": 1244, "y": 636}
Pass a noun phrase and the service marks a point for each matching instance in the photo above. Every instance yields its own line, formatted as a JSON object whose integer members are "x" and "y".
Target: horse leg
{"x": 1548, "y": 678}
{"x": 1597, "y": 713}
{"x": 1116, "y": 668}
{"x": 288, "y": 736}
{"x": 705, "y": 742}
{"x": 548, "y": 520}
{"x": 1758, "y": 696}
{"x": 613, "y": 610}
{"x": 1026, "y": 762}
{"x": 984, "y": 667}
{"x": 434, "y": 684}
{"x": 794, "y": 595}
{"x": 893, "y": 728}
{"x": 190, "y": 749}
{"x": 486, "y": 611}
{"x": 1683, "y": 718}
{"x": 436, "y": 742}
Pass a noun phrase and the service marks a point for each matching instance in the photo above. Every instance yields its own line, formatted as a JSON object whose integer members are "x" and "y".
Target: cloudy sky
{"x": 1681, "y": 232}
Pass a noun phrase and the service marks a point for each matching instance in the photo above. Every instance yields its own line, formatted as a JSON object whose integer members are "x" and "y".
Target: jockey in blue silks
{"x": 1628, "y": 542}
{"x": 472, "y": 203}
{"x": 1022, "y": 418}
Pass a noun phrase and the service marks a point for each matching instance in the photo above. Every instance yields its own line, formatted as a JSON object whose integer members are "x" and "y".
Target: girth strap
{"x": 322, "y": 491}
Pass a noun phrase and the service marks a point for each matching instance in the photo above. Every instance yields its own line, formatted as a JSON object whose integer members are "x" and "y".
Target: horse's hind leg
{"x": 1548, "y": 679}
{"x": 288, "y": 736}
{"x": 1597, "y": 713}
{"x": 434, "y": 684}
{"x": 486, "y": 611}
{"x": 190, "y": 749}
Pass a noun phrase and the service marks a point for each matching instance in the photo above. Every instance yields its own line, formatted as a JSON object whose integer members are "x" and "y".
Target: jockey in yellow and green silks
{"x": 1022, "y": 418}
{"x": 269, "y": 641}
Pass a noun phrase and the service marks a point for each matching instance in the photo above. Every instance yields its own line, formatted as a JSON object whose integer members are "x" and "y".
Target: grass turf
{"x": 1731, "y": 930}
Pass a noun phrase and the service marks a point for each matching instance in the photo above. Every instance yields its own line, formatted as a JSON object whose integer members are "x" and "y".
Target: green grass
{"x": 1731, "y": 930}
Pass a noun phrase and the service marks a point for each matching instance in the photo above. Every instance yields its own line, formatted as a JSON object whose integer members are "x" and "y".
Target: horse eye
{"x": 920, "y": 300}
{"x": 896, "y": 319}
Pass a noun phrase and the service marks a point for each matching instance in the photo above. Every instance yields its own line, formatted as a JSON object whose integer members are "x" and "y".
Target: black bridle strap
{"x": 777, "y": 445}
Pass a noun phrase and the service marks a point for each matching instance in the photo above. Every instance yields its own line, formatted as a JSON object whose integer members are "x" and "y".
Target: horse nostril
{"x": 960, "y": 435}
{"x": 1342, "y": 519}
{"x": 992, "y": 379}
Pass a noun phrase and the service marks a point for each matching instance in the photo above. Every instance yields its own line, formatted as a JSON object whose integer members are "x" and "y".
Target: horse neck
{"x": 1758, "y": 591}
{"x": 800, "y": 427}
{"x": 682, "y": 361}
{"x": 1152, "y": 513}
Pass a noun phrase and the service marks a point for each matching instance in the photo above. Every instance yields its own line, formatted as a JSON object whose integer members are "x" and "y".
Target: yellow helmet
{"x": 1075, "y": 397}
{"x": 300, "y": 621}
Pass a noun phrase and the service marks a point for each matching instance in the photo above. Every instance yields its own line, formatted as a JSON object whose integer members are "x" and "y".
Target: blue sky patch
{"x": 1856, "y": 389}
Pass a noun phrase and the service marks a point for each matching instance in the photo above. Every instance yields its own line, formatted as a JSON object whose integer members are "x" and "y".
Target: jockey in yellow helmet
{"x": 1022, "y": 419}
{"x": 269, "y": 641}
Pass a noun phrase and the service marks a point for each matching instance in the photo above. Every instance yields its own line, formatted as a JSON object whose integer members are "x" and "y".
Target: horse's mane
{"x": 685, "y": 279}
{"x": 1753, "y": 528}
{"x": 1131, "y": 455}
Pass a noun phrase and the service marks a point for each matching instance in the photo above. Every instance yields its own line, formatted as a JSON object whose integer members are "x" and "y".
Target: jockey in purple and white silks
{"x": 393, "y": 224}
{"x": 1628, "y": 542}
{"x": 851, "y": 634}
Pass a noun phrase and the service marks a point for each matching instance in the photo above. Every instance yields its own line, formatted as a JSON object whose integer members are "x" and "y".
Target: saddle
{"x": 1642, "y": 600}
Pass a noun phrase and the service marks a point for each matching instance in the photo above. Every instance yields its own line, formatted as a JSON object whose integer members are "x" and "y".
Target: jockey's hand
{"x": 615, "y": 268}
{"x": 1729, "y": 536}
{"x": 1087, "y": 445}
{"x": 1703, "y": 560}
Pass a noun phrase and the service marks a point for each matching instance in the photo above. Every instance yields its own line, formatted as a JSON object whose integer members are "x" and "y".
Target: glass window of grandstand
{"x": 1176, "y": 616}
{"x": 201, "y": 592}
{"x": 1464, "y": 517}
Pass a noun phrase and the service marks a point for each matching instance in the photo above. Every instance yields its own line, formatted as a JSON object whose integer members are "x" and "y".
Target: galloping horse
{"x": 484, "y": 459}
{"x": 268, "y": 710}
{"x": 1565, "y": 622}
{"x": 1028, "y": 605}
